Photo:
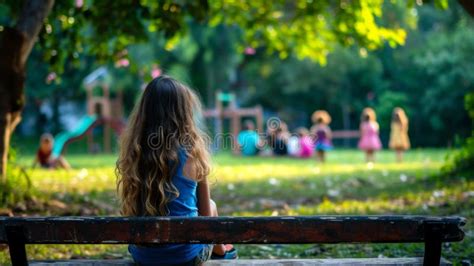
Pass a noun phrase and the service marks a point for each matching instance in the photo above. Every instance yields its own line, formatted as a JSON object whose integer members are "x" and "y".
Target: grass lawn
{"x": 273, "y": 186}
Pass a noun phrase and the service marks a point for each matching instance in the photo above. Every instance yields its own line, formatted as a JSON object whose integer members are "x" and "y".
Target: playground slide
{"x": 62, "y": 138}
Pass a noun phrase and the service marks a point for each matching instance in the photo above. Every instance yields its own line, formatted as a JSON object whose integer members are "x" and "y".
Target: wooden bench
{"x": 347, "y": 137}
{"x": 345, "y": 134}
{"x": 432, "y": 231}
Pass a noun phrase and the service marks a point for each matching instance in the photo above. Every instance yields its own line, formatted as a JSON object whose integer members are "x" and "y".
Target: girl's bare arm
{"x": 204, "y": 198}
{"x": 203, "y": 192}
{"x": 329, "y": 132}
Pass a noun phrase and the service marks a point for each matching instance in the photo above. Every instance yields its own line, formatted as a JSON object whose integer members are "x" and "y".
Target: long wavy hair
{"x": 399, "y": 116}
{"x": 162, "y": 123}
{"x": 368, "y": 115}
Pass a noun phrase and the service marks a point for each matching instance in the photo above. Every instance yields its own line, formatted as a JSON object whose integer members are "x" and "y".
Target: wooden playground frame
{"x": 109, "y": 111}
{"x": 234, "y": 113}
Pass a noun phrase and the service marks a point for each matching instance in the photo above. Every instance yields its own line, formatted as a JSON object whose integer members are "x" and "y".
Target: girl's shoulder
{"x": 374, "y": 124}
{"x": 317, "y": 127}
{"x": 325, "y": 127}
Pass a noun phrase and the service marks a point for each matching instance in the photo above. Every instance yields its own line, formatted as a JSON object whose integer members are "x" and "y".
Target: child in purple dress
{"x": 369, "y": 134}
{"x": 321, "y": 132}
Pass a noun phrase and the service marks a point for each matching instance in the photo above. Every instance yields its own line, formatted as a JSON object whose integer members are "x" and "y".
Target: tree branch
{"x": 31, "y": 20}
{"x": 468, "y": 6}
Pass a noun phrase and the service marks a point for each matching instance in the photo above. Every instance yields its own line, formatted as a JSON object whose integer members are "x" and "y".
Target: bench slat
{"x": 286, "y": 262}
{"x": 256, "y": 230}
{"x": 345, "y": 134}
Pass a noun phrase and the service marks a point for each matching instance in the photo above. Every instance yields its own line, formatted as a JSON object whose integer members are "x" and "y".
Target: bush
{"x": 461, "y": 162}
{"x": 17, "y": 186}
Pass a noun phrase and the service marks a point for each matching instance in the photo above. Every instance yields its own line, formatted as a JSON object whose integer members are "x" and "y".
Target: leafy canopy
{"x": 307, "y": 28}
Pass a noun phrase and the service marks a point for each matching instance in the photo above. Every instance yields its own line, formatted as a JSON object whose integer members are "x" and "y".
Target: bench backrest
{"x": 345, "y": 134}
{"x": 291, "y": 229}
{"x": 17, "y": 232}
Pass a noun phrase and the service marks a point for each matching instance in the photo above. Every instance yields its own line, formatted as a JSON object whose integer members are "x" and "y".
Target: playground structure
{"x": 108, "y": 110}
{"x": 226, "y": 108}
{"x": 101, "y": 110}
{"x": 66, "y": 137}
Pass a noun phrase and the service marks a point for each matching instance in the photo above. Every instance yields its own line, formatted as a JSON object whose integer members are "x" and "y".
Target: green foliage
{"x": 469, "y": 104}
{"x": 309, "y": 29}
{"x": 460, "y": 163}
{"x": 445, "y": 63}
{"x": 16, "y": 189}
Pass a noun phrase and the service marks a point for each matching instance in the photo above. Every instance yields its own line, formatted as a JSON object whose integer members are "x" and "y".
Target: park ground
{"x": 272, "y": 186}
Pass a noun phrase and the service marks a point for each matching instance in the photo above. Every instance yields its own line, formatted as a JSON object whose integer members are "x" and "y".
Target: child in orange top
{"x": 44, "y": 154}
{"x": 399, "y": 140}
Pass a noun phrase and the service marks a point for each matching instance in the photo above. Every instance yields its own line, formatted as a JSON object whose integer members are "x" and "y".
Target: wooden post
{"x": 106, "y": 116}
{"x": 432, "y": 244}
{"x": 16, "y": 245}
{"x": 432, "y": 252}
{"x": 259, "y": 119}
{"x": 235, "y": 125}
{"x": 90, "y": 111}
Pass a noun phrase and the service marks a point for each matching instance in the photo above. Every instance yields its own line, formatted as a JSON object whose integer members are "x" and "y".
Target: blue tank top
{"x": 184, "y": 205}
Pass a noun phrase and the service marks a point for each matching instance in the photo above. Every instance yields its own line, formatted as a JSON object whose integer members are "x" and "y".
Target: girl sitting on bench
{"x": 162, "y": 170}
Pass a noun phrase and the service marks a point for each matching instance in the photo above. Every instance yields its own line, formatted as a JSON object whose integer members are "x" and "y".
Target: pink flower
{"x": 249, "y": 51}
{"x": 51, "y": 76}
{"x": 79, "y": 3}
{"x": 122, "y": 63}
{"x": 155, "y": 72}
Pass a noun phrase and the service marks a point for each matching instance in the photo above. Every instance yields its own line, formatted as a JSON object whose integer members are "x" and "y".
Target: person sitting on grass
{"x": 306, "y": 145}
{"x": 162, "y": 170}
{"x": 44, "y": 154}
{"x": 248, "y": 140}
{"x": 293, "y": 146}
{"x": 278, "y": 136}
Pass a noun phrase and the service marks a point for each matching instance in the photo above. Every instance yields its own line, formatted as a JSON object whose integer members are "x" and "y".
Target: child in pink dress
{"x": 306, "y": 145}
{"x": 369, "y": 134}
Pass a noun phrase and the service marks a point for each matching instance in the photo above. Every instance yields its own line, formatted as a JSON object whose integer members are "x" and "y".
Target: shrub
{"x": 461, "y": 162}
{"x": 17, "y": 186}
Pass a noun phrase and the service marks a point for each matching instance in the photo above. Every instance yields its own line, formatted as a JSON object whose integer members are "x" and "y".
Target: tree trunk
{"x": 468, "y": 6}
{"x": 15, "y": 47}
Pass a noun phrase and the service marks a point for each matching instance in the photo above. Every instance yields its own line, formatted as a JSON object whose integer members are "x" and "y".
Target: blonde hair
{"x": 302, "y": 131}
{"x": 368, "y": 114}
{"x": 399, "y": 116}
{"x": 321, "y": 116}
{"x": 162, "y": 123}
{"x": 47, "y": 137}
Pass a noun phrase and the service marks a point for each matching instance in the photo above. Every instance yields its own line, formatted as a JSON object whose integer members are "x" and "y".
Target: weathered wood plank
{"x": 257, "y": 230}
{"x": 345, "y": 134}
{"x": 286, "y": 262}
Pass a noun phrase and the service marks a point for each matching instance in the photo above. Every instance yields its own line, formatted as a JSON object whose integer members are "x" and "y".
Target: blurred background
{"x": 428, "y": 76}
{"x": 91, "y": 60}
